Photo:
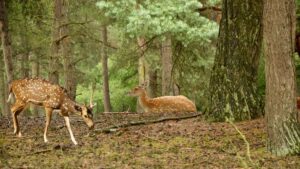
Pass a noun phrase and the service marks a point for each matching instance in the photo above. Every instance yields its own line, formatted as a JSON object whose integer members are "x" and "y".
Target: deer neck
{"x": 144, "y": 98}
{"x": 69, "y": 105}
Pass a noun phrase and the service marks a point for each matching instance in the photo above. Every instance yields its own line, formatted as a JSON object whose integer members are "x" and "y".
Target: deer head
{"x": 86, "y": 113}
{"x": 138, "y": 90}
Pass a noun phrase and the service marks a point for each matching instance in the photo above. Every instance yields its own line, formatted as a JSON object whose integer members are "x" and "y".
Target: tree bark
{"x": 281, "y": 114}
{"x": 35, "y": 71}
{"x": 26, "y": 49}
{"x": 104, "y": 59}
{"x": 69, "y": 67}
{"x": 6, "y": 42}
{"x": 167, "y": 65}
{"x": 142, "y": 67}
{"x": 25, "y": 65}
{"x": 152, "y": 88}
{"x": 2, "y": 93}
{"x": 53, "y": 70}
{"x": 6, "y": 47}
{"x": 233, "y": 84}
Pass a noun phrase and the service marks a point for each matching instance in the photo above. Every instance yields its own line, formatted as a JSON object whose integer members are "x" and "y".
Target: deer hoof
{"x": 45, "y": 140}
{"x": 19, "y": 134}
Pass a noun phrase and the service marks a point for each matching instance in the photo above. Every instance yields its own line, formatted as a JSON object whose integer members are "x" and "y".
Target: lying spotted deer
{"x": 162, "y": 104}
{"x": 51, "y": 97}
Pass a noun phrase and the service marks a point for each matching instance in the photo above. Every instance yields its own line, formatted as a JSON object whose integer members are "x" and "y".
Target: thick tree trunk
{"x": 53, "y": 70}
{"x": 281, "y": 115}
{"x": 6, "y": 48}
{"x": 104, "y": 59}
{"x": 233, "y": 87}
{"x": 69, "y": 67}
{"x": 152, "y": 87}
{"x": 167, "y": 65}
{"x": 6, "y": 42}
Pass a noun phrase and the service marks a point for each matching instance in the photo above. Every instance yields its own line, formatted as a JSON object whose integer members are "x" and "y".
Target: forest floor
{"x": 189, "y": 143}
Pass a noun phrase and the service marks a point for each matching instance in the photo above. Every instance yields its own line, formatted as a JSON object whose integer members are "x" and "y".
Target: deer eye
{"x": 85, "y": 116}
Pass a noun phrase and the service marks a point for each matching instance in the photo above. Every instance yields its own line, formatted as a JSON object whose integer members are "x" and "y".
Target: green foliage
{"x": 119, "y": 83}
{"x": 153, "y": 18}
{"x": 213, "y": 2}
{"x": 193, "y": 36}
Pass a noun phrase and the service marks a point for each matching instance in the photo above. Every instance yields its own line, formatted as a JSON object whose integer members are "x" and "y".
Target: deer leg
{"x": 48, "y": 120}
{"x": 16, "y": 109}
{"x": 70, "y": 130}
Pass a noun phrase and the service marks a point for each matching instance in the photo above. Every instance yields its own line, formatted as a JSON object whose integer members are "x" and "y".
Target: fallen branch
{"x": 40, "y": 151}
{"x": 126, "y": 112}
{"x": 144, "y": 122}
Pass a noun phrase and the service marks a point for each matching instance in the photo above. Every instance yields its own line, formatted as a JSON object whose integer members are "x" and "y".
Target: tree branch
{"x": 214, "y": 8}
{"x": 144, "y": 122}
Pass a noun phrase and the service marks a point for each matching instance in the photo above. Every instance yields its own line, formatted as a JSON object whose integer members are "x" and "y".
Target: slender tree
{"x": 233, "y": 89}
{"x": 167, "y": 65}
{"x": 104, "y": 59}
{"x": 6, "y": 47}
{"x": 35, "y": 71}
{"x": 24, "y": 55}
{"x": 142, "y": 66}
{"x": 281, "y": 115}
{"x": 2, "y": 91}
{"x": 53, "y": 70}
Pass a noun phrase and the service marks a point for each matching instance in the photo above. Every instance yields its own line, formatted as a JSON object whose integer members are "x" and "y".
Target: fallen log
{"x": 114, "y": 128}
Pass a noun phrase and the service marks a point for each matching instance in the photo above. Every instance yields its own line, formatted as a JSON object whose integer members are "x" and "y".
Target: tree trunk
{"x": 152, "y": 87}
{"x": 25, "y": 65}
{"x": 281, "y": 115}
{"x": 142, "y": 67}
{"x": 69, "y": 67}
{"x": 6, "y": 42}
{"x": 104, "y": 59}
{"x": 26, "y": 49}
{"x": 35, "y": 71}
{"x": 167, "y": 65}
{"x": 53, "y": 70}
{"x": 233, "y": 84}
{"x": 6, "y": 47}
{"x": 2, "y": 93}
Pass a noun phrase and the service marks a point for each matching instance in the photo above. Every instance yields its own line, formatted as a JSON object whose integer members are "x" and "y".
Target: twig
{"x": 126, "y": 112}
{"x": 245, "y": 140}
{"x": 145, "y": 122}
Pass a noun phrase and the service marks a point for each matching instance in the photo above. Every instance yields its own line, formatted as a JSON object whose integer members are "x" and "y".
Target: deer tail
{"x": 10, "y": 93}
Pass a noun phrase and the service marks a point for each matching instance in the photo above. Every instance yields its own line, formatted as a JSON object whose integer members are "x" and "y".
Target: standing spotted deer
{"x": 164, "y": 104}
{"x": 51, "y": 97}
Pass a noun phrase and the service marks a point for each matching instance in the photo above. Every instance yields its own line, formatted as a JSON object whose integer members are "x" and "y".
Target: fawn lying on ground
{"x": 164, "y": 103}
{"x": 51, "y": 97}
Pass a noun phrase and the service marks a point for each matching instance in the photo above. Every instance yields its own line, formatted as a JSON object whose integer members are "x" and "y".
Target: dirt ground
{"x": 190, "y": 143}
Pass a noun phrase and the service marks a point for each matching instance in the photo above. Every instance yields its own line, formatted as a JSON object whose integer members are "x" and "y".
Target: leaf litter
{"x": 189, "y": 143}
